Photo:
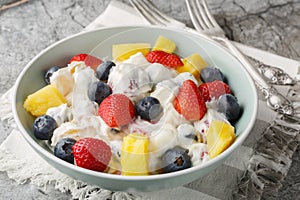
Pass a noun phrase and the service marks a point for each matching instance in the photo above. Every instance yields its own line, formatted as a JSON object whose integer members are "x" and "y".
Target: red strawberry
{"x": 92, "y": 153}
{"x": 164, "y": 58}
{"x": 89, "y": 60}
{"x": 213, "y": 90}
{"x": 189, "y": 101}
{"x": 116, "y": 110}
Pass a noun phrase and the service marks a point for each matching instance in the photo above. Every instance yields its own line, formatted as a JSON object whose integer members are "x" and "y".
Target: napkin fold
{"x": 254, "y": 169}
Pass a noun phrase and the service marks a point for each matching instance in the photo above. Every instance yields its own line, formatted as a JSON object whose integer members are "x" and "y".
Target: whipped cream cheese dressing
{"x": 129, "y": 79}
{"x": 158, "y": 73}
{"x": 198, "y": 153}
{"x": 80, "y": 119}
{"x": 135, "y": 77}
{"x": 63, "y": 80}
{"x": 81, "y": 105}
{"x": 61, "y": 114}
{"x": 89, "y": 126}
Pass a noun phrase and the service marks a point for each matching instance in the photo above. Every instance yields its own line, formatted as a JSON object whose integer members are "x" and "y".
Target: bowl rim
{"x": 45, "y": 153}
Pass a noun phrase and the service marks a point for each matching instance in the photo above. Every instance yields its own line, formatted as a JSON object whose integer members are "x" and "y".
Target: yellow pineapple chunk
{"x": 134, "y": 155}
{"x": 164, "y": 44}
{"x": 220, "y": 135}
{"x": 193, "y": 64}
{"x": 121, "y": 52}
{"x": 39, "y": 102}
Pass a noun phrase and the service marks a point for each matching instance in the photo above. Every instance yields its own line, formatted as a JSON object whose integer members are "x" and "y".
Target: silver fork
{"x": 203, "y": 21}
{"x": 152, "y": 15}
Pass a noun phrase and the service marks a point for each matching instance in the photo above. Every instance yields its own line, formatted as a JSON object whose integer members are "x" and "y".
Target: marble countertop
{"x": 28, "y": 28}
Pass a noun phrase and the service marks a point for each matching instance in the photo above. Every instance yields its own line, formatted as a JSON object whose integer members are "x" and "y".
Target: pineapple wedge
{"x": 220, "y": 135}
{"x": 164, "y": 44}
{"x": 39, "y": 102}
{"x": 134, "y": 155}
{"x": 121, "y": 52}
{"x": 193, "y": 64}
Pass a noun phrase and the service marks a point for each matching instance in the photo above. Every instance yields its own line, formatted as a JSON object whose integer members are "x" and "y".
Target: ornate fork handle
{"x": 275, "y": 100}
{"x": 273, "y": 75}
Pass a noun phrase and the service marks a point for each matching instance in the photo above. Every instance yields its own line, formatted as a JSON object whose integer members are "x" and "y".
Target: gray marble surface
{"x": 25, "y": 30}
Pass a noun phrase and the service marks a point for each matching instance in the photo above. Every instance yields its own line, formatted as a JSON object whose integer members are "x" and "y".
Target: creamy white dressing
{"x": 89, "y": 126}
{"x": 198, "y": 153}
{"x": 129, "y": 79}
{"x": 136, "y": 78}
{"x": 186, "y": 135}
{"x": 138, "y": 59}
{"x": 158, "y": 73}
{"x": 61, "y": 113}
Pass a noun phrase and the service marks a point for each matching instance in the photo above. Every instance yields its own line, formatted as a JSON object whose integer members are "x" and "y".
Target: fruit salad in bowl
{"x": 145, "y": 112}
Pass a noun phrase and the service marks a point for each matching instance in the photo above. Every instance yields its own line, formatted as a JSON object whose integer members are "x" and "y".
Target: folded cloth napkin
{"x": 254, "y": 169}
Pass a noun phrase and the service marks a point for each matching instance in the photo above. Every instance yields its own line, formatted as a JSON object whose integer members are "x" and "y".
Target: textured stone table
{"x": 28, "y": 28}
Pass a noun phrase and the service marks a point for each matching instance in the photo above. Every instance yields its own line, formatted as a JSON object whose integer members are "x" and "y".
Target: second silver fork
{"x": 205, "y": 22}
{"x": 152, "y": 15}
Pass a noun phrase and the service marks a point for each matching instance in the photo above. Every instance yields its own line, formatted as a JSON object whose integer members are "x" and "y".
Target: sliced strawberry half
{"x": 116, "y": 110}
{"x": 189, "y": 101}
{"x": 92, "y": 153}
{"x": 213, "y": 89}
{"x": 89, "y": 60}
{"x": 164, "y": 58}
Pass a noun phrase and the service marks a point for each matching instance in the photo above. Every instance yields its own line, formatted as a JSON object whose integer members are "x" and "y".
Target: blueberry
{"x": 43, "y": 127}
{"x": 63, "y": 149}
{"x": 176, "y": 159}
{"x": 148, "y": 108}
{"x": 98, "y": 91}
{"x": 103, "y": 70}
{"x": 210, "y": 74}
{"x": 49, "y": 73}
{"x": 228, "y": 104}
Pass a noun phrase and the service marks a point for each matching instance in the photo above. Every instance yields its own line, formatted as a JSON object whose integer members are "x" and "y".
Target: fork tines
{"x": 152, "y": 14}
{"x": 200, "y": 15}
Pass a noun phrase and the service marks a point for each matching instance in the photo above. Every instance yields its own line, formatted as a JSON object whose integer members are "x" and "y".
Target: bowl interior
{"x": 99, "y": 43}
{"x": 187, "y": 45}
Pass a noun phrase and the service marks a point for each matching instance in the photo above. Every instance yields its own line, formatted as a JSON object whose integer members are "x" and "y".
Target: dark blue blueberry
{"x": 63, "y": 149}
{"x": 98, "y": 91}
{"x": 49, "y": 73}
{"x": 103, "y": 70}
{"x": 148, "y": 108}
{"x": 210, "y": 74}
{"x": 43, "y": 127}
{"x": 228, "y": 104}
{"x": 176, "y": 159}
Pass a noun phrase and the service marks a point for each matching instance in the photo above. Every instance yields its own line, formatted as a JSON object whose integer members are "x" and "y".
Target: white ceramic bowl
{"x": 98, "y": 43}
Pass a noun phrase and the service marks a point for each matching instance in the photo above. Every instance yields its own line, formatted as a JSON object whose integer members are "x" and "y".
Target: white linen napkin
{"x": 236, "y": 176}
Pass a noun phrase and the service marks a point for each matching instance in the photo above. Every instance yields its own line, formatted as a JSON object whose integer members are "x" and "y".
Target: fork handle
{"x": 275, "y": 100}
